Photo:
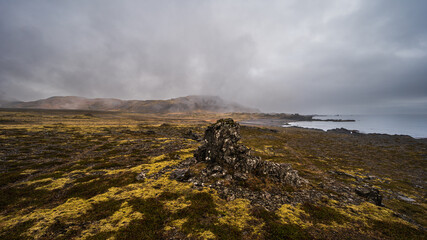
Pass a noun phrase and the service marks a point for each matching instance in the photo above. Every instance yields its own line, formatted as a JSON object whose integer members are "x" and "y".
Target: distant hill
{"x": 174, "y": 105}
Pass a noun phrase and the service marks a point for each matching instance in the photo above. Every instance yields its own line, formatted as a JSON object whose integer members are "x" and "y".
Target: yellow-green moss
{"x": 236, "y": 213}
{"x": 204, "y": 235}
{"x": 56, "y": 184}
{"x": 292, "y": 214}
{"x": 174, "y": 205}
{"x": 175, "y": 224}
{"x": 28, "y": 171}
{"x": 28, "y": 183}
{"x": 118, "y": 220}
{"x": 74, "y": 207}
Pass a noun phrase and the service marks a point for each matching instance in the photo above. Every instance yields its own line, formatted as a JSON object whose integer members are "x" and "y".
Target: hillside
{"x": 181, "y": 104}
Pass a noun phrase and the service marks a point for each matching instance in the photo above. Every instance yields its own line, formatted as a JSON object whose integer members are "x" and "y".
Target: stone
{"x": 141, "y": 176}
{"x": 217, "y": 168}
{"x": 228, "y": 177}
{"x": 406, "y": 199}
{"x": 231, "y": 197}
{"x": 240, "y": 176}
{"x": 370, "y": 194}
{"x": 180, "y": 174}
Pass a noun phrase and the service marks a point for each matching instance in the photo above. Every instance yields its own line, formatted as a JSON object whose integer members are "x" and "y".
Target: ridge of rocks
{"x": 221, "y": 148}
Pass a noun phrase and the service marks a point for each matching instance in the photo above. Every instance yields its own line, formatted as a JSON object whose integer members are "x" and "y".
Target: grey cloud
{"x": 284, "y": 56}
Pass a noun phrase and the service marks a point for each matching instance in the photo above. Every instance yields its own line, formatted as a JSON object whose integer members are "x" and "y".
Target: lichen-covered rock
{"x": 220, "y": 143}
{"x": 221, "y": 147}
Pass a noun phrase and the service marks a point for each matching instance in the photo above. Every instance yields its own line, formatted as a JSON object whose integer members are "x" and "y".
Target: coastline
{"x": 285, "y": 123}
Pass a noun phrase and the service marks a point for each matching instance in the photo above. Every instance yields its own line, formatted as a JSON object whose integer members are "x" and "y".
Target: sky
{"x": 294, "y": 56}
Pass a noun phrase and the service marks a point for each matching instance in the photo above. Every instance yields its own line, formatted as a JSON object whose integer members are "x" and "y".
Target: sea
{"x": 414, "y": 125}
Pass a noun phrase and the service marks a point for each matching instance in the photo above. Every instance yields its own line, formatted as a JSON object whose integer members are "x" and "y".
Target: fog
{"x": 329, "y": 56}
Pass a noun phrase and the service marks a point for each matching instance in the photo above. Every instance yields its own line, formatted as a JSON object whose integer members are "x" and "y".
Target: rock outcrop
{"x": 223, "y": 164}
{"x": 228, "y": 167}
{"x": 222, "y": 150}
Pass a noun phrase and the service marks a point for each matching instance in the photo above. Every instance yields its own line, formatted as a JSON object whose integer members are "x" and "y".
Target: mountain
{"x": 174, "y": 105}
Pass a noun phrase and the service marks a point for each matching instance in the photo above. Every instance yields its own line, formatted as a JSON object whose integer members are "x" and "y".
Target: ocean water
{"x": 414, "y": 125}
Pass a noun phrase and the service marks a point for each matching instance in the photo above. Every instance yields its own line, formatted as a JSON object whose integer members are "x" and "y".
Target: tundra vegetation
{"x": 73, "y": 175}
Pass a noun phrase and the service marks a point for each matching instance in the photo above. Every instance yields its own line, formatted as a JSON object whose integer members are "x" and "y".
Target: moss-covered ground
{"x": 72, "y": 175}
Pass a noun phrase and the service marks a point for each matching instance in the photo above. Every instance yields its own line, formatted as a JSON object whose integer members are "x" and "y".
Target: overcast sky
{"x": 329, "y": 56}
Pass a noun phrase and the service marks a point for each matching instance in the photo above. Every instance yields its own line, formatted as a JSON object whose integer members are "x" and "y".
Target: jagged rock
{"x": 370, "y": 193}
{"x": 221, "y": 148}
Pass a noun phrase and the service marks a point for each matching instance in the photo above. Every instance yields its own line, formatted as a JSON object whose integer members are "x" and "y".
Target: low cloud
{"x": 283, "y": 56}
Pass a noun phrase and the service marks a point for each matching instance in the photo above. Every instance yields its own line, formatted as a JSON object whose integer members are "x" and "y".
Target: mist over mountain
{"x": 181, "y": 104}
{"x": 310, "y": 57}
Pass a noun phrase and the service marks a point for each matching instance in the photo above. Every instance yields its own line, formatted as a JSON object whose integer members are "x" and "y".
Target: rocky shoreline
{"x": 272, "y": 122}
{"x": 278, "y": 120}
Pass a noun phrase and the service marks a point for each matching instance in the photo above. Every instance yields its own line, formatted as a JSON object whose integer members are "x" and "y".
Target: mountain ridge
{"x": 192, "y": 103}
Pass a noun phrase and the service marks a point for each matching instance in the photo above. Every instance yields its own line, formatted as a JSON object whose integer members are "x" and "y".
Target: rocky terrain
{"x": 229, "y": 168}
{"x": 68, "y": 174}
{"x": 233, "y": 172}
